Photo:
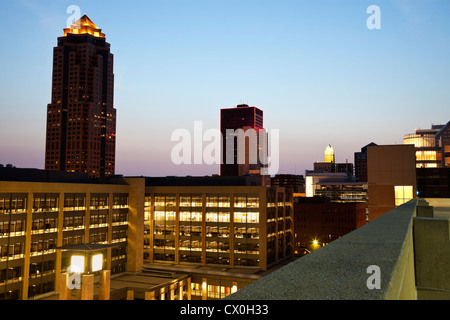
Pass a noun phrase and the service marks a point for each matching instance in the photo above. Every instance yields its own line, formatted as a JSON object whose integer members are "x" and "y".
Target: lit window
{"x": 403, "y": 194}
{"x": 77, "y": 264}
{"x": 309, "y": 186}
{"x": 97, "y": 262}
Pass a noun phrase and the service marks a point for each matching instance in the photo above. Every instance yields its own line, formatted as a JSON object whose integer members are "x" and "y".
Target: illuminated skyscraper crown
{"x": 84, "y": 25}
{"x": 329, "y": 154}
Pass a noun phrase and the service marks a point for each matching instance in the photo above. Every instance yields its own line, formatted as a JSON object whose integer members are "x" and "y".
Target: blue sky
{"x": 320, "y": 75}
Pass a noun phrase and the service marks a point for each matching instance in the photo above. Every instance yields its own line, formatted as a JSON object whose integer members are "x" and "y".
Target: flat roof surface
{"x": 39, "y": 175}
{"x": 204, "y": 181}
{"x": 343, "y": 183}
{"x": 144, "y": 280}
{"x": 441, "y": 207}
{"x": 237, "y": 272}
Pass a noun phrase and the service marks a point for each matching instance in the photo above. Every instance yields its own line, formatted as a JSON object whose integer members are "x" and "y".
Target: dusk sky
{"x": 315, "y": 69}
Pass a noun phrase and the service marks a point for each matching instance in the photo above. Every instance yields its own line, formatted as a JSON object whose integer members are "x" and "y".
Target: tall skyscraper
{"x": 81, "y": 119}
{"x": 250, "y": 120}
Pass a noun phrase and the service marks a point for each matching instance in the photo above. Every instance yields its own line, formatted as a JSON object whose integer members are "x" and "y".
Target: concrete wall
{"x": 410, "y": 245}
{"x": 340, "y": 269}
{"x": 432, "y": 257}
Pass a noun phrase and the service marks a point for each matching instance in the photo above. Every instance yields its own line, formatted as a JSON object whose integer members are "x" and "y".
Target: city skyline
{"x": 317, "y": 72}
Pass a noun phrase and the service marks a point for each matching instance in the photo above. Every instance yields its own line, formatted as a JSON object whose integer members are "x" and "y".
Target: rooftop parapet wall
{"x": 342, "y": 269}
{"x": 432, "y": 250}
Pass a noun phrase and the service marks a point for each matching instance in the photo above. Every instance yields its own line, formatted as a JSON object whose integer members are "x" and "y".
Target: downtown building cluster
{"x": 233, "y": 222}
{"x": 179, "y": 237}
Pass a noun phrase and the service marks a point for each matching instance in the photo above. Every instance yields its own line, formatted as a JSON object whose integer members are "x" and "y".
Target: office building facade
{"x": 318, "y": 221}
{"x": 433, "y": 182}
{"x": 432, "y": 146}
{"x": 361, "y": 163}
{"x": 293, "y": 181}
{"x": 40, "y": 212}
{"x": 231, "y": 226}
{"x": 337, "y": 187}
{"x": 334, "y": 167}
{"x": 391, "y": 171}
{"x": 443, "y": 142}
{"x": 235, "y": 224}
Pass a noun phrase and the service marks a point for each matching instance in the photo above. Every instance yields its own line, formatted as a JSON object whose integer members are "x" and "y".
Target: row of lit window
{"x": 211, "y": 247}
{"x": 212, "y": 291}
{"x": 11, "y": 251}
{"x": 426, "y": 156}
{"x": 237, "y": 204}
{"x": 251, "y": 260}
{"x": 101, "y": 237}
{"x": 119, "y": 235}
{"x": 48, "y": 225}
{"x": 12, "y": 228}
{"x": 211, "y": 231}
{"x": 239, "y": 217}
{"x": 43, "y": 247}
{"x": 211, "y": 201}
{"x": 420, "y": 140}
{"x": 45, "y": 203}
{"x": 13, "y": 204}
{"x": 76, "y": 239}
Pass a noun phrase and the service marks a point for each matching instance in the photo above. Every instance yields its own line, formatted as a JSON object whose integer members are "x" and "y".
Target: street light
{"x": 315, "y": 244}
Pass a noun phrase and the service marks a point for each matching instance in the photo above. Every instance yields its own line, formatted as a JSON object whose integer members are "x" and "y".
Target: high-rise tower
{"x": 81, "y": 119}
{"x": 250, "y": 120}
